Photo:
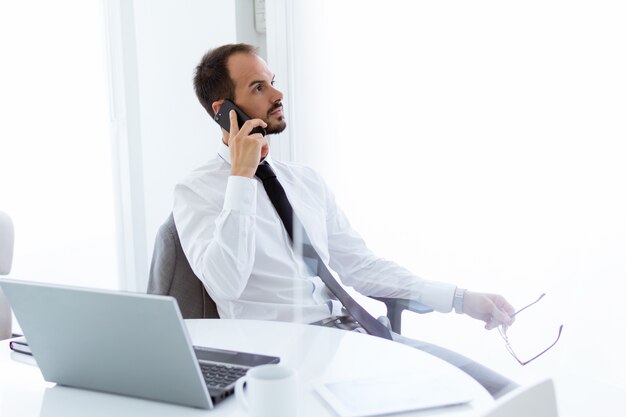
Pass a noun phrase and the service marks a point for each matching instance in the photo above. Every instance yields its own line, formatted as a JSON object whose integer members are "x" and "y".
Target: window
{"x": 55, "y": 156}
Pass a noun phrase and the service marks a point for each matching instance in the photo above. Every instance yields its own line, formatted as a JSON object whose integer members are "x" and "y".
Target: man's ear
{"x": 217, "y": 105}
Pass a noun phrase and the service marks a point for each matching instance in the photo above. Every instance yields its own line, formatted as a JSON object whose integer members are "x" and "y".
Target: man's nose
{"x": 277, "y": 95}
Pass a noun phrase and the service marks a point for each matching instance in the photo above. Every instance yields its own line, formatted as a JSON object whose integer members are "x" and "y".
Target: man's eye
{"x": 259, "y": 88}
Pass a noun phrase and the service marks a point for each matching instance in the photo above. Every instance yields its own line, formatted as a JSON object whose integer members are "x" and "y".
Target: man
{"x": 237, "y": 244}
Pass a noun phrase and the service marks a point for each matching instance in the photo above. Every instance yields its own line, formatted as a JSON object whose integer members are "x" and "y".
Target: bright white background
{"x": 55, "y": 152}
{"x": 483, "y": 144}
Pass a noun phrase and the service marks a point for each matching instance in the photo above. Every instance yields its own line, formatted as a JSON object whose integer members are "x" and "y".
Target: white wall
{"x": 480, "y": 143}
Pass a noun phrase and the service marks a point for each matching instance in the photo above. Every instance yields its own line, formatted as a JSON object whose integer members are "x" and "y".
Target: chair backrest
{"x": 537, "y": 400}
{"x": 171, "y": 274}
{"x": 6, "y": 259}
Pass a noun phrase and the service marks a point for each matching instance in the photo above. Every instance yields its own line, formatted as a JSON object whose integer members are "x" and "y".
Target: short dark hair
{"x": 212, "y": 80}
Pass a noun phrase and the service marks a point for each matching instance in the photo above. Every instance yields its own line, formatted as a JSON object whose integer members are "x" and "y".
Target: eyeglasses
{"x": 503, "y": 328}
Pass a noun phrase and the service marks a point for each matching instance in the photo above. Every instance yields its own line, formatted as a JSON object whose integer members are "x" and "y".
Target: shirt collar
{"x": 224, "y": 152}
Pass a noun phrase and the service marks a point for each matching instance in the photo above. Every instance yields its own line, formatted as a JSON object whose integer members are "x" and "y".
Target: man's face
{"x": 254, "y": 90}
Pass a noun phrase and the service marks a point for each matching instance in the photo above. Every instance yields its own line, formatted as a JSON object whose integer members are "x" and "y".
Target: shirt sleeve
{"x": 217, "y": 233}
{"x": 372, "y": 275}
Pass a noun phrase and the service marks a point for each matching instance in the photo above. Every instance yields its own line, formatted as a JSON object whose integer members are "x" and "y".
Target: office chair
{"x": 6, "y": 259}
{"x": 171, "y": 274}
{"x": 537, "y": 400}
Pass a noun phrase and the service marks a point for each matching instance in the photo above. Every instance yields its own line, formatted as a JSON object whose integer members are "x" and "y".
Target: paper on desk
{"x": 391, "y": 394}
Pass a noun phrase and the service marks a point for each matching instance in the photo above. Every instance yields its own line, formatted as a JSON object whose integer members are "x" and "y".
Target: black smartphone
{"x": 222, "y": 117}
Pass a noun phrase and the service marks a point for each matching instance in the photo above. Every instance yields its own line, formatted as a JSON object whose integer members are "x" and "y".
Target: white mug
{"x": 271, "y": 391}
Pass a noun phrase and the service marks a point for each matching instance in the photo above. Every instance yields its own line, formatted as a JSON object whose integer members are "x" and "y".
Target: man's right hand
{"x": 246, "y": 150}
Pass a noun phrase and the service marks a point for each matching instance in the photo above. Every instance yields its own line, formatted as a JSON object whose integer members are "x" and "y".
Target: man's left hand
{"x": 493, "y": 309}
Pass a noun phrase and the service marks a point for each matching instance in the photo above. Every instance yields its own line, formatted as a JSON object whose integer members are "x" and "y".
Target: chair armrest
{"x": 395, "y": 307}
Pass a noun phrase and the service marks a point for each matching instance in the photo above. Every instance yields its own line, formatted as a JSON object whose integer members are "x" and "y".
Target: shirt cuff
{"x": 241, "y": 195}
{"x": 438, "y": 295}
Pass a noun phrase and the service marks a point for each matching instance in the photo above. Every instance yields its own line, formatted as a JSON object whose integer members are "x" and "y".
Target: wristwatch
{"x": 459, "y": 295}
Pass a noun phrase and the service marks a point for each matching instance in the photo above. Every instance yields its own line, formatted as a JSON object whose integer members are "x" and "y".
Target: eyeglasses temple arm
{"x": 547, "y": 349}
{"x": 524, "y": 308}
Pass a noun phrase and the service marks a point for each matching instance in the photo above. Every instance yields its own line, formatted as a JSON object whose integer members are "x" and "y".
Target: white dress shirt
{"x": 237, "y": 245}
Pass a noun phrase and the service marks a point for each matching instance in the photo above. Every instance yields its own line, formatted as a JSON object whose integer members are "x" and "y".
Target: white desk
{"x": 318, "y": 354}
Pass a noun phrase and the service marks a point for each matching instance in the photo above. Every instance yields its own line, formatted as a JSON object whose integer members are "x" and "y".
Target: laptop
{"x": 123, "y": 343}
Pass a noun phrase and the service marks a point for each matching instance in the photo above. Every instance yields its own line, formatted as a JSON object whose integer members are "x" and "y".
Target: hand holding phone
{"x": 222, "y": 117}
{"x": 246, "y": 148}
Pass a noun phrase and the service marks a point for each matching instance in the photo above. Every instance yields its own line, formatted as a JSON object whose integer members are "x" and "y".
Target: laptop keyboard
{"x": 220, "y": 376}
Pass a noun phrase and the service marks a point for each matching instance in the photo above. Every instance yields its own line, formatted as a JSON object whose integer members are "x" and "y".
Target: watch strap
{"x": 459, "y": 296}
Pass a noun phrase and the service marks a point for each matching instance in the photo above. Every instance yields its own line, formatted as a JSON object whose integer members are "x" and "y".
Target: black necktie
{"x": 277, "y": 196}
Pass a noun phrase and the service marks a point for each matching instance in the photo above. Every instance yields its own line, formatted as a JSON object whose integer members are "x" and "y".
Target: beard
{"x": 276, "y": 126}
